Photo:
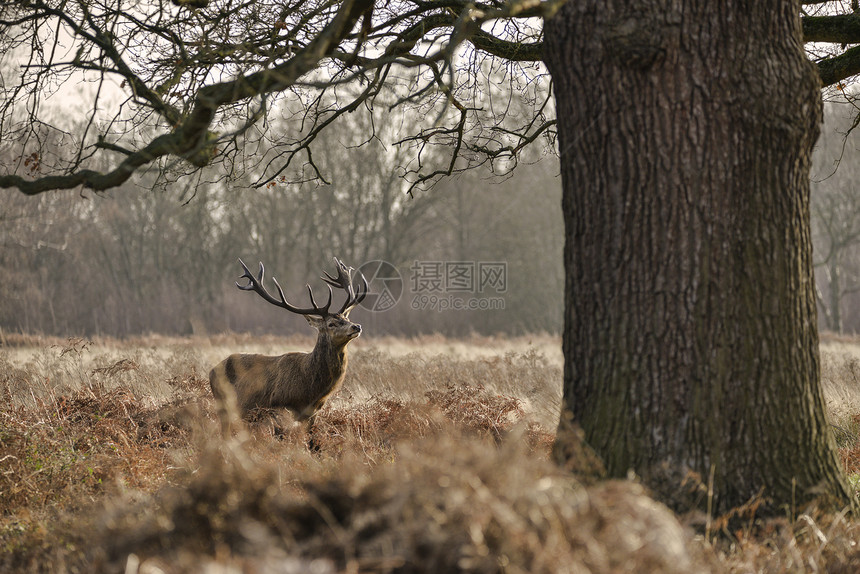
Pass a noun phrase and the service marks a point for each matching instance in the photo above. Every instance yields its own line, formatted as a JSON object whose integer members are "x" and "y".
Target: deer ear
{"x": 314, "y": 321}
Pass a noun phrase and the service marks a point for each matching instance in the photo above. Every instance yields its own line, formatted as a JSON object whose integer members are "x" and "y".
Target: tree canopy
{"x": 143, "y": 83}
{"x": 93, "y": 91}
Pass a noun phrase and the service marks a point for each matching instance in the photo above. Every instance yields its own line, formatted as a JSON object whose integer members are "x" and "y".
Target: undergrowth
{"x": 111, "y": 460}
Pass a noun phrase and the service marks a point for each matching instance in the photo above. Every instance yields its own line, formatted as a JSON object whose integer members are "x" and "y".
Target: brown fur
{"x": 299, "y": 382}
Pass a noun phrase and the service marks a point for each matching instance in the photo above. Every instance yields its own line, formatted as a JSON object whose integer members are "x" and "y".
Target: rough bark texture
{"x": 690, "y": 337}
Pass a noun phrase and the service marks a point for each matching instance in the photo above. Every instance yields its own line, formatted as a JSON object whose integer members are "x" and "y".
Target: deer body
{"x": 299, "y": 382}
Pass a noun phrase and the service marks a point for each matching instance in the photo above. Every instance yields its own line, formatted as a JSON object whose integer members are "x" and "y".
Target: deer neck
{"x": 329, "y": 357}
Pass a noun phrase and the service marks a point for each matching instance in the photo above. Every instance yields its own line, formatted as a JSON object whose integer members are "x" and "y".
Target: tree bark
{"x": 690, "y": 338}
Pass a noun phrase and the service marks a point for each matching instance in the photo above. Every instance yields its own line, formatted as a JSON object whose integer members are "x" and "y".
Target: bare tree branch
{"x": 839, "y": 28}
{"x": 237, "y": 64}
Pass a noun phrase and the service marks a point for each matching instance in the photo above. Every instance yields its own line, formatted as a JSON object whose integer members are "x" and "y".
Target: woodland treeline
{"x": 157, "y": 256}
{"x": 835, "y": 210}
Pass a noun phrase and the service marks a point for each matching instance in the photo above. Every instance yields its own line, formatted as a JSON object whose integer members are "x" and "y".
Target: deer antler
{"x": 344, "y": 281}
{"x": 256, "y": 284}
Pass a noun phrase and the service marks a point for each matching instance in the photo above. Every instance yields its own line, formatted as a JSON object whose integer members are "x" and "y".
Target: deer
{"x": 299, "y": 382}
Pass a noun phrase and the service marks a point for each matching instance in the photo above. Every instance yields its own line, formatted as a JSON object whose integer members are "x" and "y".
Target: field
{"x": 434, "y": 457}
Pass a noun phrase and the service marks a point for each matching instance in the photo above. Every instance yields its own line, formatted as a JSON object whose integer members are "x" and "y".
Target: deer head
{"x": 337, "y": 325}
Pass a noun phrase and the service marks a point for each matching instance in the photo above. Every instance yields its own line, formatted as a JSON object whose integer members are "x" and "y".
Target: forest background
{"x": 156, "y": 257}
{"x": 153, "y": 257}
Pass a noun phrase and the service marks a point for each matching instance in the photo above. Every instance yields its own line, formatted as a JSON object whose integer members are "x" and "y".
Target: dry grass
{"x": 433, "y": 458}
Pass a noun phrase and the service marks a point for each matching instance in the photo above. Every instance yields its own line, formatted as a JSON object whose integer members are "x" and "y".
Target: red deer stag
{"x": 299, "y": 382}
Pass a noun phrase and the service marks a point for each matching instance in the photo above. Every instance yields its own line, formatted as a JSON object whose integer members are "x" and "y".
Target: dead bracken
{"x": 124, "y": 469}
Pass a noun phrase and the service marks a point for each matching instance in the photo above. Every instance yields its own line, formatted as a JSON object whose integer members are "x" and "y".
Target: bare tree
{"x": 690, "y": 338}
{"x": 200, "y": 85}
{"x": 185, "y": 85}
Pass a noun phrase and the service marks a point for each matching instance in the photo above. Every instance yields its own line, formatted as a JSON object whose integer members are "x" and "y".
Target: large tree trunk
{"x": 690, "y": 340}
